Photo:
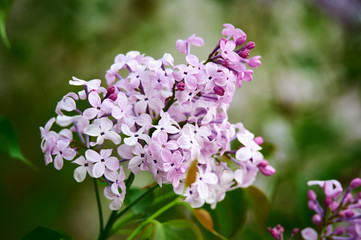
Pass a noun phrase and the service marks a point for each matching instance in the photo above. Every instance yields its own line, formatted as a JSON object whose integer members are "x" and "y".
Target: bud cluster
{"x": 170, "y": 121}
{"x": 339, "y": 217}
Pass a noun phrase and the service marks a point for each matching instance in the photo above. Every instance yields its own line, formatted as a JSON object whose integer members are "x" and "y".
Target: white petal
{"x": 92, "y": 155}
{"x": 202, "y": 190}
{"x": 58, "y": 162}
{"x": 113, "y": 136}
{"x": 94, "y": 99}
{"x": 210, "y": 178}
{"x": 98, "y": 169}
{"x": 92, "y": 130}
{"x": 125, "y": 151}
{"x": 243, "y": 154}
{"x": 80, "y": 173}
{"x": 112, "y": 163}
{"x": 90, "y": 113}
{"x": 309, "y": 234}
{"x": 130, "y": 141}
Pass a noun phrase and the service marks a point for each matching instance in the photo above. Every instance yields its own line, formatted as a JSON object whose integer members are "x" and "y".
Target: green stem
{"x": 100, "y": 212}
{"x": 152, "y": 217}
{"x": 114, "y": 216}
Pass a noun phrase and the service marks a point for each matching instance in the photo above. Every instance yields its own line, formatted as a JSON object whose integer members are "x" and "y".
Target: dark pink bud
{"x": 250, "y": 45}
{"x": 268, "y": 170}
{"x": 349, "y": 213}
{"x": 280, "y": 228}
{"x": 241, "y": 40}
{"x": 113, "y": 96}
{"x": 219, "y": 90}
{"x": 258, "y": 140}
{"x": 295, "y": 231}
{"x": 359, "y": 195}
{"x": 316, "y": 219}
{"x": 225, "y": 63}
{"x": 341, "y": 213}
{"x": 338, "y": 231}
{"x": 244, "y": 53}
{"x": 181, "y": 86}
{"x": 275, "y": 233}
{"x": 356, "y": 182}
{"x": 311, "y": 195}
{"x": 328, "y": 201}
{"x": 263, "y": 164}
{"x": 111, "y": 90}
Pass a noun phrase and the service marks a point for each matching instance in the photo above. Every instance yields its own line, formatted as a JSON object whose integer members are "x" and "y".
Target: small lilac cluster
{"x": 339, "y": 218}
{"x": 168, "y": 120}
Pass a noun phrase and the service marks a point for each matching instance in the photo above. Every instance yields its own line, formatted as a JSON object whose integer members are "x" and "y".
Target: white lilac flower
{"x": 102, "y": 129}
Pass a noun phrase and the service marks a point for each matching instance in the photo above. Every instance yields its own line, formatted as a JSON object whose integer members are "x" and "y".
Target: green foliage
{"x": 258, "y": 204}
{"x": 42, "y": 233}
{"x": 142, "y": 206}
{"x": 4, "y": 11}
{"x": 9, "y": 141}
{"x": 230, "y": 214}
{"x": 178, "y": 229}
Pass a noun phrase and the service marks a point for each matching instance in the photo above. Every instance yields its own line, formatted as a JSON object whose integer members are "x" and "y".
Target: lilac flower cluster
{"x": 338, "y": 218}
{"x": 168, "y": 120}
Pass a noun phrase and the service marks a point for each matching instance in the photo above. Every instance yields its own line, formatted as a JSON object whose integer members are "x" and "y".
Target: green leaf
{"x": 9, "y": 142}
{"x": 178, "y": 229}
{"x": 258, "y": 205}
{"x": 4, "y": 11}
{"x": 142, "y": 206}
{"x": 229, "y": 214}
{"x": 42, "y": 233}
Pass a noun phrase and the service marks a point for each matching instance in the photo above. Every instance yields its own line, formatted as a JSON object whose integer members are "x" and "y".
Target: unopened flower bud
{"x": 295, "y": 231}
{"x": 316, "y": 219}
{"x": 356, "y": 182}
{"x": 311, "y": 195}
{"x": 328, "y": 201}
{"x": 258, "y": 140}
{"x": 263, "y": 164}
{"x": 312, "y": 205}
{"x": 111, "y": 90}
{"x": 254, "y": 62}
{"x": 341, "y": 213}
{"x": 241, "y": 40}
{"x": 338, "y": 231}
{"x": 181, "y": 86}
{"x": 349, "y": 213}
{"x": 250, "y": 45}
{"x": 268, "y": 170}
{"x": 113, "y": 96}
{"x": 219, "y": 90}
{"x": 244, "y": 53}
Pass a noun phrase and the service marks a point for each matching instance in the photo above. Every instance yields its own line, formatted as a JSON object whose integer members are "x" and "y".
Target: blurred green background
{"x": 304, "y": 99}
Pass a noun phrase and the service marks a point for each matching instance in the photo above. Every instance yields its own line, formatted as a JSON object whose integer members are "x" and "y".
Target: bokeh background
{"x": 304, "y": 99}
